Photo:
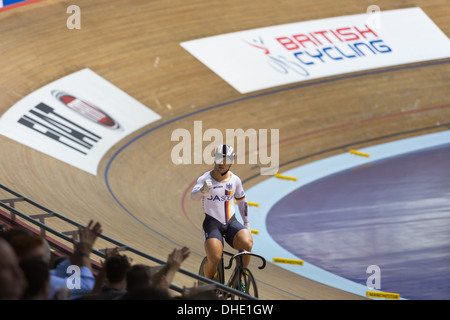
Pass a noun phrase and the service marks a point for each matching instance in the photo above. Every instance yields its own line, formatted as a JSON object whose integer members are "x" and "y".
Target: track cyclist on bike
{"x": 218, "y": 189}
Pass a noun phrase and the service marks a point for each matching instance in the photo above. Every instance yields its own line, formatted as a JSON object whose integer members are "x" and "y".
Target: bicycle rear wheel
{"x": 246, "y": 284}
{"x": 219, "y": 276}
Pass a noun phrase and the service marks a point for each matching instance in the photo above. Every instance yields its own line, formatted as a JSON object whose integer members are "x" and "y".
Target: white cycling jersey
{"x": 218, "y": 202}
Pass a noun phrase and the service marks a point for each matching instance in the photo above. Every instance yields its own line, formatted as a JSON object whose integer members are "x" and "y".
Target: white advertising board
{"x": 75, "y": 119}
{"x": 267, "y": 57}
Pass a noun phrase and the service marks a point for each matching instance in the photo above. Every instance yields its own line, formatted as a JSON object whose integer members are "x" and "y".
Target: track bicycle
{"x": 241, "y": 278}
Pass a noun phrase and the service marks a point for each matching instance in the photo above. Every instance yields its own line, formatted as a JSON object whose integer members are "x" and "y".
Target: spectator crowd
{"x": 28, "y": 271}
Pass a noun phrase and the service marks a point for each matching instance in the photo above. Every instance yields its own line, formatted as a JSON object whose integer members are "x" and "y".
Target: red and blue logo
{"x": 85, "y": 109}
{"x": 306, "y": 50}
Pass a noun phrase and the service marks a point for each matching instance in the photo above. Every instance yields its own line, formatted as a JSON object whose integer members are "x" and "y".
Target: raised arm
{"x": 201, "y": 187}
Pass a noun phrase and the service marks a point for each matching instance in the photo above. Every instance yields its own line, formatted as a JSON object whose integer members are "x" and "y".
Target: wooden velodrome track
{"x": 141, "y": 197}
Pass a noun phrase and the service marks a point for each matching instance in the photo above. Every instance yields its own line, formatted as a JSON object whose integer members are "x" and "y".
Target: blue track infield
{"x": 348, "y": 212}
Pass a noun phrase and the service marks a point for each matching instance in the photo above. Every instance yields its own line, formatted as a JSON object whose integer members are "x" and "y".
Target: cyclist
{"x": 218, "y": 188}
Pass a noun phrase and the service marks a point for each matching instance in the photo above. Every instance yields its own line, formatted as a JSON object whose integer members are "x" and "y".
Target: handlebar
{"x": 242, "y": 253}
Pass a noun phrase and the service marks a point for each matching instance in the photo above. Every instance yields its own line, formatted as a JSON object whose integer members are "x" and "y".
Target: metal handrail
{"x": 42, "y": 226}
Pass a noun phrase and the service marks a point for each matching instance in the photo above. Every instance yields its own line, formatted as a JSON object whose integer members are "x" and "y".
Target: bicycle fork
{"x": 236, "y": 279}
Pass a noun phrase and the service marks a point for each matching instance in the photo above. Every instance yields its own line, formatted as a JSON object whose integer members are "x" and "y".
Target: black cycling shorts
{"x": 213, "y": 228}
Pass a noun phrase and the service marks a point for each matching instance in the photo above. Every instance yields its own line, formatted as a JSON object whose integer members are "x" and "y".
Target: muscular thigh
{"x": 212, "y": 229}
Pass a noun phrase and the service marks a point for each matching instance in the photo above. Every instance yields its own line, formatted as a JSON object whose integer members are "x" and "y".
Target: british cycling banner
{"x": 278, "y": 55}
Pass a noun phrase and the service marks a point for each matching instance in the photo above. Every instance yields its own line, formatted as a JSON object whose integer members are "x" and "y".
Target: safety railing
{"x": 38, "y": 220}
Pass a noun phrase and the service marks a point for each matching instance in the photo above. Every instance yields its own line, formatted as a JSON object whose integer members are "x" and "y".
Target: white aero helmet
{"x": 224, "y": 151}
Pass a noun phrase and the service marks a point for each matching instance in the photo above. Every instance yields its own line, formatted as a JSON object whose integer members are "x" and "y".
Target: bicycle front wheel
{"x": 246, "y": 284}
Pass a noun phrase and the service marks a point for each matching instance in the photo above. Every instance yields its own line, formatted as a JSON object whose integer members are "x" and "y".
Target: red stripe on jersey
{"x": 228, "y": 205}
